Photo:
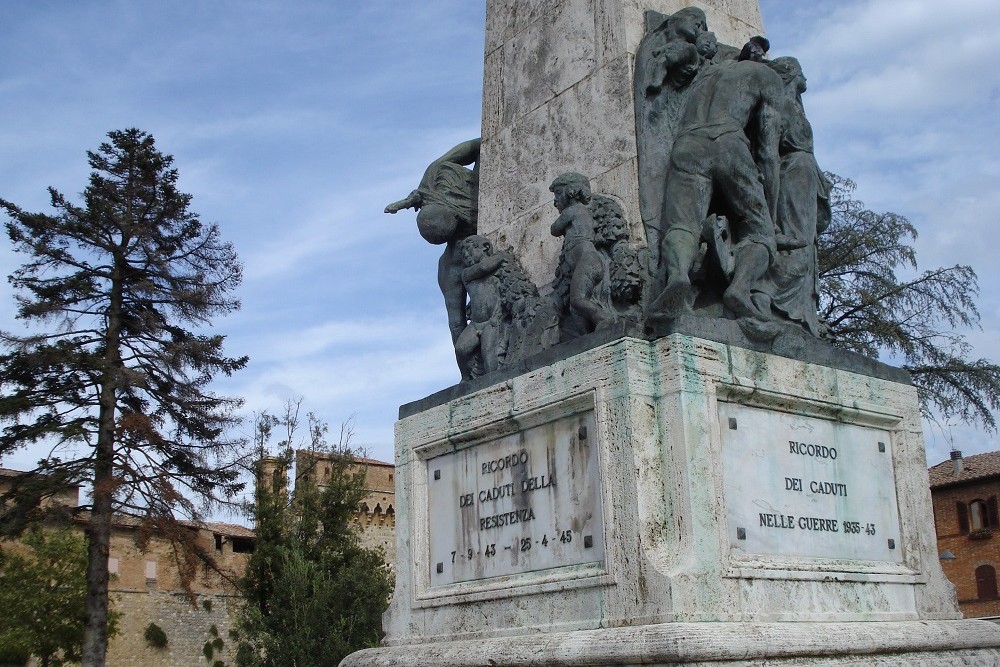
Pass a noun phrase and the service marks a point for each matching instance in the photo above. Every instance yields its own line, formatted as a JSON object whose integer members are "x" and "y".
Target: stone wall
{"x": 153, "y": 566}
{"x": 969, "y": 553}
{"x": 188, "y": 627}
{"x": 377, "y": 514}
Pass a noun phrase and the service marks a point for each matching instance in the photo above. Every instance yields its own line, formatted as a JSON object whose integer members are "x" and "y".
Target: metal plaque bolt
{"x": 741, "y": 533}
{"x": 440, "y": 568}
{"x": 437, "y": 474}
{"x": 892, "y": 544}
{"x": 588, "y": 541}
{"x": 881, "y": 447}
{"x": 732, "y": 423}
{"x": 582, "y": 433}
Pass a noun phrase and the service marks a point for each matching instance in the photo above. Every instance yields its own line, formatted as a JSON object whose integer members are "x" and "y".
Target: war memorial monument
{"x": 654, "y": 457}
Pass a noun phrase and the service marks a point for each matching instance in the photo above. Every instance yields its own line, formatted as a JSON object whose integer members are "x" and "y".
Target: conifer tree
{"x": 43, "y": 585}
{"x": 111, "y": 382}
{"x": 313, "y": 592}
{"x": 873, "y": 301}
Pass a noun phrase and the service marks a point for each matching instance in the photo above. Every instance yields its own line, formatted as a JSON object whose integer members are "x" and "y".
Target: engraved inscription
{"x": 803, "y": 486}
{"x": 516, "y": 504}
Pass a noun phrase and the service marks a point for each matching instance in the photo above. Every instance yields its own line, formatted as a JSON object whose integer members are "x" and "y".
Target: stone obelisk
{"x": 557, "y": 97}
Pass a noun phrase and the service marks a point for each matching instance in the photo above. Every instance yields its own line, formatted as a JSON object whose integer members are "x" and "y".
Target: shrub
{"x": 155, "y": 636}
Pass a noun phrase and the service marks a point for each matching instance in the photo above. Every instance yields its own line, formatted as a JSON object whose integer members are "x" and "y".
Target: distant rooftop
{"x": 129, "y": 521}
{"x": 975, "y": 467}
{"x": 229, "y": 529}
{"x": 357, "y": 459}
{"x": 374, "y": 462}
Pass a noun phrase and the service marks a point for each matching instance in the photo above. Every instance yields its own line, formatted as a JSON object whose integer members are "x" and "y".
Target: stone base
{"x": 926, "y": 643}
{"x": 666, "y": 502}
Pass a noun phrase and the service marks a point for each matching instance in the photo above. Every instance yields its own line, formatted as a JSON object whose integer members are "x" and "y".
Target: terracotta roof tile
{"x": 977, "y": 466}
{"x": 230, "y": 529}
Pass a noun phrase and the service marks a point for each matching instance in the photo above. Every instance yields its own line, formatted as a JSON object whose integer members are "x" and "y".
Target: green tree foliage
{"x": 43, "y": 585}
{"x": 155, "y": 636}
{"x": 872, "y": 307}
{"x": 314, "y": 594}
{"x": 111, "y": 379}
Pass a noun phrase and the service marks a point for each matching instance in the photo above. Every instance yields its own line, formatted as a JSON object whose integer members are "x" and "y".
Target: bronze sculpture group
{"x": 730, "y": 195}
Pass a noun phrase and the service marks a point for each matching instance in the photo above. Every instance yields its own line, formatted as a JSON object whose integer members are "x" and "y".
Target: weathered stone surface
{"x": 728, "y": 332}
{"x": 575, "y": 57}
{"x": 543, "y": 481}
{"x": 569, "y": 134}
{"x": 188, "y": 628}
{"x": 928, "y": 644}
{"x": 672, "y": 572}
{"x": 798, "y": 485}
{"x": 548, "y": 57}
{"x": 506, "y": 18}
{"x": 669, "y": 555}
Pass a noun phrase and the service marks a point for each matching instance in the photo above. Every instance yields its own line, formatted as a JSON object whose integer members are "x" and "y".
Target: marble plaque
{"x": 808, "y": 487}
{"x": 526, "y": 502}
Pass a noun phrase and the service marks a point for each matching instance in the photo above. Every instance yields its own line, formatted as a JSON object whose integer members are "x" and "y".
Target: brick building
{"x": 964, "y": 491}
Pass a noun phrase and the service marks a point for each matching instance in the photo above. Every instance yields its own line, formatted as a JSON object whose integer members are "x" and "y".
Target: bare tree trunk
{"x": 95, "y": 631}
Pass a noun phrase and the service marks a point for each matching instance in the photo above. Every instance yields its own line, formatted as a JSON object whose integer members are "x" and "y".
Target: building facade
{"x": 148, "y": 589}
{"x": 377, "y": 514}
{"x": 964, "y": 491}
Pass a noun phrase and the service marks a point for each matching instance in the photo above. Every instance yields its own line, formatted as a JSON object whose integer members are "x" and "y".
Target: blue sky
{"x": 293, "y": 124}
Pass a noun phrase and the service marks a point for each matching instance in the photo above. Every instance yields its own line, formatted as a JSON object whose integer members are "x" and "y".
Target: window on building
{"x": 977, "y": 514}
{"x": 150, "y": 570}
{"x": 242, "y": 545}
{"x": 986, "y": 582}
{"x": 218, "y": 542}
{"x": 112, "y": 565}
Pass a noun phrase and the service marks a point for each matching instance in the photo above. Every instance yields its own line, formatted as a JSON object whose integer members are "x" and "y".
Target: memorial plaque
{"x": 525, "y": 502}
{"x": 808, "y": 487}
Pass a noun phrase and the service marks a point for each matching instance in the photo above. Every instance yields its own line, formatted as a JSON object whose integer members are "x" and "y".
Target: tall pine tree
{"x": 112, "y": 381}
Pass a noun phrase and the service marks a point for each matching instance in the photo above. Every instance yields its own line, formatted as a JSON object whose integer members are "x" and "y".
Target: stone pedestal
{"x": 557, "y": 97}
{"x": 672, "y": 501}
